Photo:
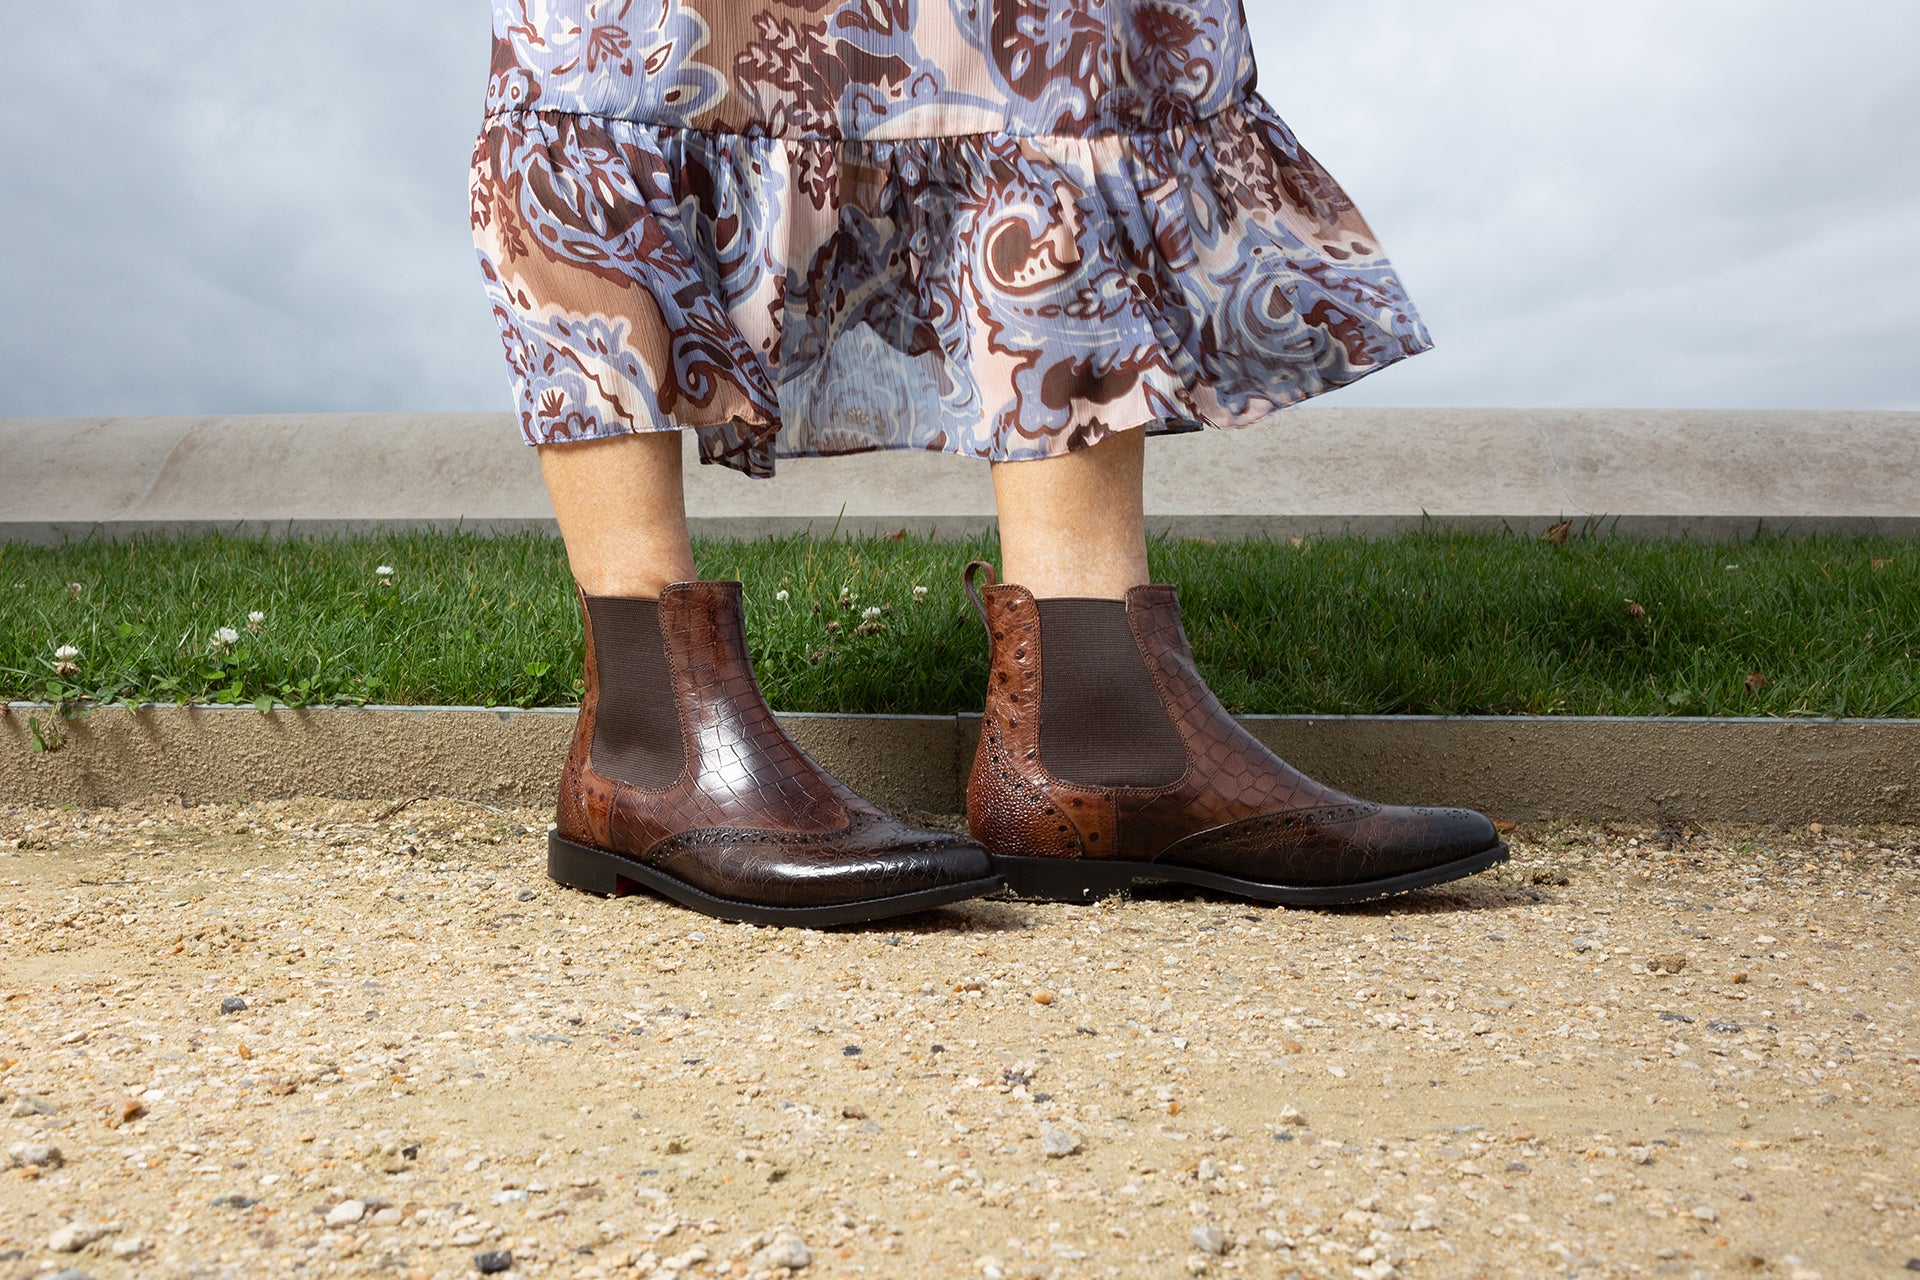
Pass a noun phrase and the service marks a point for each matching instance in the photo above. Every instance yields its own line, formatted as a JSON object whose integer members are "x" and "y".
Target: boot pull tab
{"x": 966, "y": 580}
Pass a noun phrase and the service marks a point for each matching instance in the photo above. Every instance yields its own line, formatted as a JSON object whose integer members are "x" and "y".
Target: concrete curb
{"x": 1519, "y": 768}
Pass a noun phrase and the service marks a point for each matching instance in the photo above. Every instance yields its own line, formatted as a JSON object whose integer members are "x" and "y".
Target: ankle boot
{"x": 1105, "y": 761}
{"x": 680, "y": 780}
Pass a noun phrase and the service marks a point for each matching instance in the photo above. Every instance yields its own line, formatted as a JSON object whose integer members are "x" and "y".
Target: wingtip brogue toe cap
{"x": 772, "y": 868}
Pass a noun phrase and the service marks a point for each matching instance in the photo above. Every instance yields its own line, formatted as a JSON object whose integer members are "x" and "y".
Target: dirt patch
{"x": 372, "y": 1038}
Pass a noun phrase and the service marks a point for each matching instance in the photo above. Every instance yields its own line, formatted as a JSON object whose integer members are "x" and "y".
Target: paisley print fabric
{"x": 1002, "y": 228}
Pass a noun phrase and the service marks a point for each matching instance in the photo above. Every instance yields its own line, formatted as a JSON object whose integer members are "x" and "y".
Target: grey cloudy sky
{"x": 228, "y": 206}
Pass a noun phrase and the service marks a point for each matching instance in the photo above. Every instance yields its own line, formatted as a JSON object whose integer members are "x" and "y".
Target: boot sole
{"x": 581, "y": 866}
{"x": 1088, "y": 879}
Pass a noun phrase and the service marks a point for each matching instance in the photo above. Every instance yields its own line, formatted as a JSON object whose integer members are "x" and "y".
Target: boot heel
{"x": 1065, "y": 879}
{"x": 579, "y": 867}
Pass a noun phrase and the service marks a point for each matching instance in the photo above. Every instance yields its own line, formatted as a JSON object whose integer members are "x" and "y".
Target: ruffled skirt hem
{"x": 999, "y": 296}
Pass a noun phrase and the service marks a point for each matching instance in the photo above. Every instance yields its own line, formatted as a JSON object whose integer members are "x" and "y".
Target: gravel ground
{"x": 320, "y": 1037}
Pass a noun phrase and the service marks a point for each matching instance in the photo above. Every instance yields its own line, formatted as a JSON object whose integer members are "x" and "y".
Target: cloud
{"x": 233, "y": 207}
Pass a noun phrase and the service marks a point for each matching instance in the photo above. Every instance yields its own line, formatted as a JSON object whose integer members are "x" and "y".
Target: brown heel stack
{"x": 1105, "y": 761}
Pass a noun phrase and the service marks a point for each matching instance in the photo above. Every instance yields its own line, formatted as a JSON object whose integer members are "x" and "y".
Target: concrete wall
{"x": 1643, "y": 473}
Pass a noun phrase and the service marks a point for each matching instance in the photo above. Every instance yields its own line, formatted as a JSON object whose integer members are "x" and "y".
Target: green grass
{"x": 1426, "y": 623}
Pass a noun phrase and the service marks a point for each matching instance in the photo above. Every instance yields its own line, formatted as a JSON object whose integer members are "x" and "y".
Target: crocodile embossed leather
{"x": 751, "y": 828}
{"x": 1238, "y": 817}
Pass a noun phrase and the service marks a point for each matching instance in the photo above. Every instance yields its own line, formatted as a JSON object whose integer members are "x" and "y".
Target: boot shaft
{"x": 1056, "y": 791}
{"x": 671, "y": 709}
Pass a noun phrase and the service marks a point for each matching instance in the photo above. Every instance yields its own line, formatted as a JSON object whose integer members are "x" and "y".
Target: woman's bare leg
{"x": 622, "y": 511}
{"x": 1073, "y": 525}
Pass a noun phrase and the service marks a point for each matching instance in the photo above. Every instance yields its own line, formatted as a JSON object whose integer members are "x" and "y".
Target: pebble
{"x": 71, "y": 1273}
{"x": 232, "y": 1004}
{"x": 1055, "y": 1143}
{"x": 44, "y": 1154}
{"x": 27, "y": 1105}
{"x": 1208, "y": 1238}
{"x": 346, "y": 1213}
{"x": 1705, "y": 1213}
{"x": 76, "y": 1236}
{"x": 786, "y": 1249}
{"x": 493, "y": 1260}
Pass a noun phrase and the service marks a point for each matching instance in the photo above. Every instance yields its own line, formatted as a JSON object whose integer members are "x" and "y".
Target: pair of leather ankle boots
{"x": 1104, "y": 761}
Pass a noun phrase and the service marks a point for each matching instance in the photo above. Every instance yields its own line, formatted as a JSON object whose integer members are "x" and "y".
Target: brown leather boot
{"x": 1105, "y": 761}
{"x": 680, "y": 780}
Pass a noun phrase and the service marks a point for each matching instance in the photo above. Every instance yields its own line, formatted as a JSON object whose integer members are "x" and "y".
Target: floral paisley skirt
{"x": 1001, "y": 228}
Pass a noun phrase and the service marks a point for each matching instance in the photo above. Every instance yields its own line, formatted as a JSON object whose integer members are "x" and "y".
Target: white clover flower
{"x": 919, "y": 593}
{"x": 256, "y": 618}
{"x": 385, "y": 570}
{"x": 869, "y": 613}
{"x": 66, "y": 653}
{"x": 226, "y": 635}
{"x": 781, "y": 595}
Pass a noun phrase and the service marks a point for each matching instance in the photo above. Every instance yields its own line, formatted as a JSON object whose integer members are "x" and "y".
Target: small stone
{"x": 387, "y": 1217}
{"x": 990, "y": 1268}
{"x": 512, "y": 1195}
{"x": 44, "y": 1154}
{"x": 1705, "y": 1213}
{"x": 786, "y": 1249}
{"x": 131, "y": 1247}
{"x": 1481, "y": 1027}
{"x": 346, "y": 1213}
{"x": 1421, "y": 1222}
{"x": 1208, "y": 1238}
{"x": 1055, "y": 1143}
{"x": 1666, "y": 964}
{"x": 853, "y": 1112}
{"x": 232, "y": 1004}
{"x": 1291, "y": 1116}
{"x": 1606, "y": 1197}
{"x": 493, "y": 1260}
{"x": 76, "y": 1236}
{"x": 27, "y": 1105}
{"x": 1196, "y": 1264}
{"x": 1043, "y": 996}
{"x": 71, "y": 1273}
